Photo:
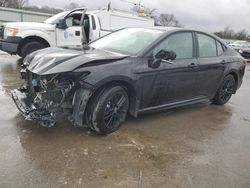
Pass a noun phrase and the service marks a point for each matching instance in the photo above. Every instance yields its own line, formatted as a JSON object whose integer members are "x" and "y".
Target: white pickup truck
{"x": 69, "y": 28}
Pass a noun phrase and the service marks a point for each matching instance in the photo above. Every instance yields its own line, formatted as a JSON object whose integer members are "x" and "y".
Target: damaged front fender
{"x": 79, "y": 103}
{"x": 30, "y": 111}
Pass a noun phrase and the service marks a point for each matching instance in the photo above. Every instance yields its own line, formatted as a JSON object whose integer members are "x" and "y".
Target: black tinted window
{"x": 207, "y": 46}
{"x": 93, "y": 22}
{"x": 180, "y": 43}
{"x": 220, "y": 49}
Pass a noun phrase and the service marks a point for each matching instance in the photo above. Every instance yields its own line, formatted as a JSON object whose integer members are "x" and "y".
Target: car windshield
{"x": 54, "y": 19}
{"x": 127, "y": 41}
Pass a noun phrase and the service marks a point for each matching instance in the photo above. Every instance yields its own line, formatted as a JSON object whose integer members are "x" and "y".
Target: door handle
{"x": 77, "y": 33}
{"x": 192, "y": 65}
{"x": 223, "y": 62}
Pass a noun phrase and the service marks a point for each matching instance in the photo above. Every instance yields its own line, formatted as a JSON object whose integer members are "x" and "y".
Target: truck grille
{"x": 1, "y": 32}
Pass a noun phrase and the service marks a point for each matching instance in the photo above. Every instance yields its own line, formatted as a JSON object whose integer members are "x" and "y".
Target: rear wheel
{"x": 225, "y": 91}
{"x": 30, "y": 47}
{"x": 108, "y": 110}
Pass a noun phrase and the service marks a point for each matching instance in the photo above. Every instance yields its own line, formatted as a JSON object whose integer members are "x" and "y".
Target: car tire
{"x": 108, "y": 110}
{"x": 30, "y": 47}
{"x": 225, "y": 91}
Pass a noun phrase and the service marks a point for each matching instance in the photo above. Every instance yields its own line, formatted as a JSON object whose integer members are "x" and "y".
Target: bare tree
{"x": 72, "y": 6}
{"x": 160, "y": 19}
{"x": 242, "y": 35}
{"x": 167, "y": 20}
{"x": 3, "y": 3}
{"x": 22, "y": 3}
{"x": 13, "y": 3}
{"x": 44, "y": 9}
{"x": 8, "y": 3}
{"x": 229, "y": 33}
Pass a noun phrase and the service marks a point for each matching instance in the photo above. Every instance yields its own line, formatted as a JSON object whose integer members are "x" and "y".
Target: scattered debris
{"x": 85, "y": 151}
{"x": 140, "y": 180}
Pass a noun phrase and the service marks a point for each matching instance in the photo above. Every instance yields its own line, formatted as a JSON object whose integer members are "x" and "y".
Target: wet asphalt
{"x": 196, "y": 146}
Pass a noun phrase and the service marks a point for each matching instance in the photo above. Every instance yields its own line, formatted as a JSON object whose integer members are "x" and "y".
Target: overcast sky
{"x": 208, "y": 15}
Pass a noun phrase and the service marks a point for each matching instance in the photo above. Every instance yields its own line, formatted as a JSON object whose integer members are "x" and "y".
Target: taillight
{"x": 245, "y": 61}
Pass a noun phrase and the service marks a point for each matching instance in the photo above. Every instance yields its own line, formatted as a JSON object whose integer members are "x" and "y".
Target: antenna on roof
{"x": 109, "y": 6}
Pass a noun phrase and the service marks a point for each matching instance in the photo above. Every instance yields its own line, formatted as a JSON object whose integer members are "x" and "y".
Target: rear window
{"x": 207, "y": 46}
{"x": 220, "y": 49}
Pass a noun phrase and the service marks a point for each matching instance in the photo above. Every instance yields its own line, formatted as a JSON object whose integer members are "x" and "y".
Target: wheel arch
{"x": 236, "y": 77}
{"x": 32, "y": 39}
{"x": 129, "y": 88}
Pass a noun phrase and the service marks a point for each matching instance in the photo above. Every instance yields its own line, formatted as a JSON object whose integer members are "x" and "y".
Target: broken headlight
{"x": 50, "y": 91}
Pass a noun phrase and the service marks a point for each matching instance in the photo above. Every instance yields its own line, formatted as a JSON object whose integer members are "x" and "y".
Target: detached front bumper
{"x": 10, "y": 44}
{"x": 25, "y": 105}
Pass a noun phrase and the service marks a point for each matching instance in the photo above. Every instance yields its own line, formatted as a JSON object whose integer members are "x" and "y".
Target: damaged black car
{"x": 130, "y": 71}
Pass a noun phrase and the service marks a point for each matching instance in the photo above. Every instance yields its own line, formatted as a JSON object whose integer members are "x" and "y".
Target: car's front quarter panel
{"x": 121, "y": 70}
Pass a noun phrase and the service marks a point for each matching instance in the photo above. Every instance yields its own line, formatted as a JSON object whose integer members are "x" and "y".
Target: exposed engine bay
{"x": 55, "y": 84}
{"x": 47, "y": 96}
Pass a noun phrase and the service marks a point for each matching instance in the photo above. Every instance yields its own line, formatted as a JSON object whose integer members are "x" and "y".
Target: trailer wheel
{"x": 30, "y": 47}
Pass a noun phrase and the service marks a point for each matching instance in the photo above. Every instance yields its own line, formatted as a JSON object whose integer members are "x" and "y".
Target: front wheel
{"x": 225, "y": 91}
{"x": 108, "y": 110}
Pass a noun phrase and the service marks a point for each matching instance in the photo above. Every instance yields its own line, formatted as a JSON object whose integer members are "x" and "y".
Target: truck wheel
{"x": 108, "y": 110}
{"x": 225, "y": 91}
{"x": 30, "y": 47}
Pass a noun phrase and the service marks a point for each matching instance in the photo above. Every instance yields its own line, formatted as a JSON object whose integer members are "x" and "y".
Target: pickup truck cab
{"x": 69, "y": 28}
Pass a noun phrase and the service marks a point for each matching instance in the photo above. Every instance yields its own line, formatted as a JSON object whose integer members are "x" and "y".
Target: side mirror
{"x": 162, "y": 56}
{"x": 165, "y": 55}
{"x": 61, "y": 24}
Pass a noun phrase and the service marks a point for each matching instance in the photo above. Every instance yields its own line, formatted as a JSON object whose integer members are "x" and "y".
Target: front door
{"x": 171, "y": 82}
{"x": 72, "y": 35}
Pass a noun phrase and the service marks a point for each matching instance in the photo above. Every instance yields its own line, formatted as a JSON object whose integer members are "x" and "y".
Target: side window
{"x": 180, "y": 43}
{"x": 69, "y": 21}
{"x": 220, "y": 49}
{"x": 207, "y": 46}
{"x": 93, "y": 22}
{"x": 73, "y": 20}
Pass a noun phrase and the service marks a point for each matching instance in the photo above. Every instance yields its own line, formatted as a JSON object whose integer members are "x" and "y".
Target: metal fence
{"x": 17, "y": 15}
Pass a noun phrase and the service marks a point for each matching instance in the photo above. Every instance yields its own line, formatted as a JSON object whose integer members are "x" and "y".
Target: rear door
{"x": 212, "y": 64}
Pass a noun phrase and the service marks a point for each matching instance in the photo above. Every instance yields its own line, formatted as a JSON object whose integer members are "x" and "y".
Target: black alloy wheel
{"x": 108, "y": 110}
{"x": 115, "y": 111}
{"x": 225, "y": 91}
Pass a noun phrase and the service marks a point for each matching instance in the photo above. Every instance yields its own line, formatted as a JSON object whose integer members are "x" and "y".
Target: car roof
{"x": 161, "y": 28}
{"x": 173, "y": 29}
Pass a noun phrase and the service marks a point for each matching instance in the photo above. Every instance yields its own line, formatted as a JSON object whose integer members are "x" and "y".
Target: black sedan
{"x": 131, "y": 71}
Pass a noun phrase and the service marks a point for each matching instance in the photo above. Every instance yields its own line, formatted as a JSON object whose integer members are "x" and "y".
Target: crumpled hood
{"x": 57, "y": 60}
